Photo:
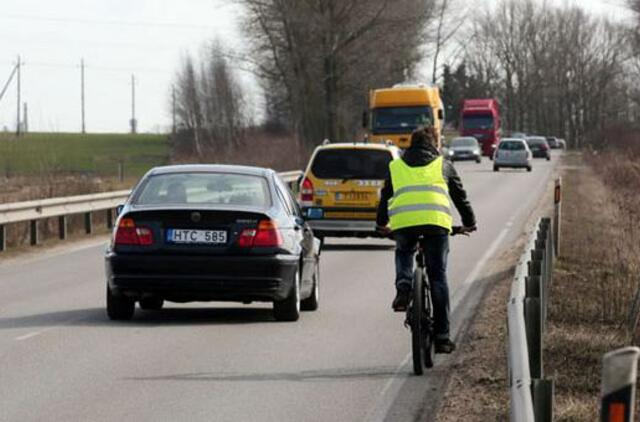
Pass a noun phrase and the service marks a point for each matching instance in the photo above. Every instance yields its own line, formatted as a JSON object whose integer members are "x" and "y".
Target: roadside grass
{"x": 98, "y": 155}
{"x": 595, "y": 281}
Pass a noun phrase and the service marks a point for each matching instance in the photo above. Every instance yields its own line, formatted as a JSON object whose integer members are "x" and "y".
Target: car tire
{"x": 151, "y": 303}
{"x": 311, "y": 303}
{"x": 548, "y": 158}
{"x": 288, "y": 309}
{"x": 496, "y": 168}
{"x": 529, "y": 169}
{"x": 478, "y": 160}
{"x": 119, "y": 308}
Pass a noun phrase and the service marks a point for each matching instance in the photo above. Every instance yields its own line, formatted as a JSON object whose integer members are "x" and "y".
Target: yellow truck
{"x": 395, "y": 112}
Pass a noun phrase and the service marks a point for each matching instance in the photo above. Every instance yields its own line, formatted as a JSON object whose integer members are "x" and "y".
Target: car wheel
{"x": 548, "y": 158}
{"x": 119, "y": 308}
{"x": 311, "y": 303}
{"x": 529, "y": 168}
{"x": 151, "y": 303}
{"x": 478, "y": 160}
{"x": 289, "y": 308}
{"x": 496, "y": 168}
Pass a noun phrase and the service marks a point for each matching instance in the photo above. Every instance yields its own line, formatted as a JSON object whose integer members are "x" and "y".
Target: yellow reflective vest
{"x": 420, "y": 196}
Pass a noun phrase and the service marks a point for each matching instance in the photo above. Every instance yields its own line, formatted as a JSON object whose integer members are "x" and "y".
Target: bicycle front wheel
{"x": 416, "y": 312}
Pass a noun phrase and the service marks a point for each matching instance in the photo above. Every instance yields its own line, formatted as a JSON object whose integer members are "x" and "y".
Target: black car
{"x": 212, "y": 233}
{"x": 539, "y": 147}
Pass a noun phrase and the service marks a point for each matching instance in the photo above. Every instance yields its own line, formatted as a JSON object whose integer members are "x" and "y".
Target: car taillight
{"x": 306, "y": 191}
{"x": 130, "y": 234}
{"x": 266, "y": 235}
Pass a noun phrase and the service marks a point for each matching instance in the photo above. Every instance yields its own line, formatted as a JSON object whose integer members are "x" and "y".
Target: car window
{"x": 290, "y": 202}
{"x": 464, "y": 142}
{"x": 204, "y": 188}
{"x": 351, "y": 164}
{"x": 511, "y": 146}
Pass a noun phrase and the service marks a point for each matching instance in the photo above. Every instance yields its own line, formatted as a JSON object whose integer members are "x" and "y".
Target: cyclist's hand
{"x": 465, "y": 230}
{"x": 383, "y": 230}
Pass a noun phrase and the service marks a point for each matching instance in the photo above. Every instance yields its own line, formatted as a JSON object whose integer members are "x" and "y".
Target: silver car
{"x": 512, "y": 153}
{"x": 464, "y": 148}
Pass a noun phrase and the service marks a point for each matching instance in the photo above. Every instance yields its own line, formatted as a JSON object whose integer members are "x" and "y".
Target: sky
{"x": 118, "y": 39}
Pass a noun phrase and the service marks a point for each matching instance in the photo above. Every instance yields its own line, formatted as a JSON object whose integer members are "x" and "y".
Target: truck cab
{"x": 394, "y": 113}
{"x": 480, "y": 118}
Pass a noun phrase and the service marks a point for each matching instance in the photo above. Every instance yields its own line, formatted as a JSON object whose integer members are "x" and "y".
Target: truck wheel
{"x": 496, "y": 168}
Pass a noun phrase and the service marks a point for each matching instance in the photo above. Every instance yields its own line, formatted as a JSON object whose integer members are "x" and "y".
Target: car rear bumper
{"x": 512, "y": 163}
{"x": 186, "y": 278}
{"x": 540, "y": 154}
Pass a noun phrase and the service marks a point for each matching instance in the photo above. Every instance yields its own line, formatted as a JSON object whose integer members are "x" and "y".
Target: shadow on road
{"x": 169, "y": 316}
{"x": 356, "y": 247}
{"x": 378, "y": 372}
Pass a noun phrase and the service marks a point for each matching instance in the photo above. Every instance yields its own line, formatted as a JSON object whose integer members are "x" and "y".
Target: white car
{"x": 512, "y": 153}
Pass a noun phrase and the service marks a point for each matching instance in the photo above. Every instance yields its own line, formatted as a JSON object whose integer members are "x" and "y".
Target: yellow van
{"x": 340, "y": 190}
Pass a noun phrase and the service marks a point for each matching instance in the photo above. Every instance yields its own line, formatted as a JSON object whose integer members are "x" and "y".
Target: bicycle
{"x": 420, "y": 311}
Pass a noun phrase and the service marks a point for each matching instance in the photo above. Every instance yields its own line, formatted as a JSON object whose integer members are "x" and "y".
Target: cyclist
{"x": 415, "y": 202}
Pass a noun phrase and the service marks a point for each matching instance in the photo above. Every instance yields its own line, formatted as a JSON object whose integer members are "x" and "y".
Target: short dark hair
{"x": 423, "y": 135}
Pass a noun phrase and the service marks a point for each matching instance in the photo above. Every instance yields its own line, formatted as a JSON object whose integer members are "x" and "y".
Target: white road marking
{"x": 28, "y": 336}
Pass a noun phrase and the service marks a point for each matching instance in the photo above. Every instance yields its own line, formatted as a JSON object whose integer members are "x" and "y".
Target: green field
{"x": 36, "y": 154}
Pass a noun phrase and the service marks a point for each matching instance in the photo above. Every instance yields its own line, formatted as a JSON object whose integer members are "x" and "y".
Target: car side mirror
{"x": 119, "y": 209}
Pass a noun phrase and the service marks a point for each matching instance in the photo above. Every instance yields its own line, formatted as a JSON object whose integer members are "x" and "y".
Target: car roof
{"x": 463, "y": 137}
{"x": 358, "y": 145}
{"x": 210, "y": 168}
{"x": 512, "y": 140}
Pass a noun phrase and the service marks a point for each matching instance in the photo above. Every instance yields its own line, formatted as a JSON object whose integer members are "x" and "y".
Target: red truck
{"x": 480, "y": 118}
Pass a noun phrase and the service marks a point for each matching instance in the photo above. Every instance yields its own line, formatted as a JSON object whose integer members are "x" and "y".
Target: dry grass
{"x": 594, "y": 285}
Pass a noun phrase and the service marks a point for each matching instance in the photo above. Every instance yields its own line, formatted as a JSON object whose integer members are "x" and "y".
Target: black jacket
{"x": 421, "y": 155}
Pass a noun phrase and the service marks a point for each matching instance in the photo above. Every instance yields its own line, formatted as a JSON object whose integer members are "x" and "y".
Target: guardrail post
{"x": 3, "y": 238}
{"x": 533, "y": 319}
{"x": 619, "y": 370}
{"x": 62, "y": 227}
{"x": 557, "y": 215}
{"x": 110, "y": 218}
{"x": 542, "y": 393}
{"x": 34, "y": 232}
{"x": 88, "y": 226}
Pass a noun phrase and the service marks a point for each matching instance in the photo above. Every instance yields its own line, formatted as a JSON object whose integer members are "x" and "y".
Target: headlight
{"x": 476, "y": 151}
{"x": 450, "y": 152}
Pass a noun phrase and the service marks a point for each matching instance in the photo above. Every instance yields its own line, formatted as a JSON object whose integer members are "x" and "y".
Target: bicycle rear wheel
{"x": 416, "y": 317}
{"x": 427, "y": 326}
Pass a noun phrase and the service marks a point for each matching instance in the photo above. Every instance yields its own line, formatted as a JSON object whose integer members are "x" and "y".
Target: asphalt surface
{"x": 62, "y": 359}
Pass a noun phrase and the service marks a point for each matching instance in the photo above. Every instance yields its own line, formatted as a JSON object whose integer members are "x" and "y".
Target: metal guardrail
{"x": 531, "y": 394}
{"x": 34, "y": 211}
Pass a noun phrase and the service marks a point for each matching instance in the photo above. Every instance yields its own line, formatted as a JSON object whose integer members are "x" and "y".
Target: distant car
{"x": 539, "y": 147}
{"x": 562, "y": 143}
{"x": 553, "y": 142}
{"x": 340, "y": 190}
{"x": 512, "y": 153}
{"x": 464, "y": 148}
{"x": 518, "y": 135}
{"x": 212, "y": 233}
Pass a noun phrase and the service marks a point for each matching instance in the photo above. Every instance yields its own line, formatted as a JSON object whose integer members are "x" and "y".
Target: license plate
{"x": 207, "y": 237}
{"x": 352, "y": 196}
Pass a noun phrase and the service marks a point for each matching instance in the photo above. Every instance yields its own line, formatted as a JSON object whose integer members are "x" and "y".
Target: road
{"x": 61, "y": 359}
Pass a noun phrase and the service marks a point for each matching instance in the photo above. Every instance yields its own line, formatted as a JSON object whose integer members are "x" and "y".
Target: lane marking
{"x": 28, "y": 336}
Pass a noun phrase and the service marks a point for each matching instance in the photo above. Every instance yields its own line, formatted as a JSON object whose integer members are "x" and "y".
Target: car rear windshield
{"x": 464, "y": 142}
{"x": 205, "y": 189}
{"x": 351, "y": 164}
{"x": 511, "y": 146}
{"x": 536, "y": 141}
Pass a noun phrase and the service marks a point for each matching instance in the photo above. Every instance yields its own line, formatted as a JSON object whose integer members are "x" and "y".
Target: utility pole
{"x": 25, "y": 118}
{"x": 133, "y": 122}
{"x": 173, "y": 109}
{"x": 18, "y": 102}
{"x": 84, "y": 129}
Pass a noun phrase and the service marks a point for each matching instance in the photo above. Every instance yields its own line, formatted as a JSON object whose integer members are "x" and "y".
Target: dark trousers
{"x": 436, "y": 251}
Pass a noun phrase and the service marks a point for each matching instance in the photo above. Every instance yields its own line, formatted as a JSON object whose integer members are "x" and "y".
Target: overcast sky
{"x": 116, "y": 38}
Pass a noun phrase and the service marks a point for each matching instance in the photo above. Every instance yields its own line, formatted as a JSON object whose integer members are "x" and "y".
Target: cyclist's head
{"x": 423, "y": 136}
